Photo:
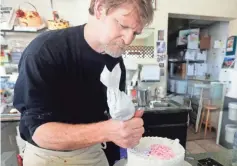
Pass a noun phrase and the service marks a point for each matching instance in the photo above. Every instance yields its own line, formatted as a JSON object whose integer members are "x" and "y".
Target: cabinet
{"x": 8, "y": 138}
{"x": 172, "y": 125}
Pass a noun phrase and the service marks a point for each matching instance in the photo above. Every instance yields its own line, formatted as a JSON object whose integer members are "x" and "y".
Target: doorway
{"x": 196, "y": 49}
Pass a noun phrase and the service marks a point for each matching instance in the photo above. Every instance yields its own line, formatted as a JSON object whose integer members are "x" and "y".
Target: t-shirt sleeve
{"x": 34, "y": 89}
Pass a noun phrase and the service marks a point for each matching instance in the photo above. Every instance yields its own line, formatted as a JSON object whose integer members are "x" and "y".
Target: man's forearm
{"x": 60, "y": 136}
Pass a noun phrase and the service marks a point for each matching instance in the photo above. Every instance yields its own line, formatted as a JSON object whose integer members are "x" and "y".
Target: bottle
{"x": 234, "y": 159}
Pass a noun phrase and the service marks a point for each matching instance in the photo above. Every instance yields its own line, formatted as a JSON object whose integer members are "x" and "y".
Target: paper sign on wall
{"x": 161, "y": 46}
{"x": 228, "y": 62}
{"x": 150, "y": 73}
{"x": 161, "y": 34}
{"x": 219, "y": 44}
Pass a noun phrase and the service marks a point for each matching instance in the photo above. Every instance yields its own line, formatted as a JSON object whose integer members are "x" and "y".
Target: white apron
{"x": 91, "y": 156}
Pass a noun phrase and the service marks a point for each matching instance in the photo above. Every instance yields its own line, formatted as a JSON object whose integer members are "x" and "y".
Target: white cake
{"x": 138, "y": 157}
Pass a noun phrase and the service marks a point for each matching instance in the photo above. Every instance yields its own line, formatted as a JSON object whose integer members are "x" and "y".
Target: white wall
{"x": 233, "y": 28}
{"x": 215, "y": 56}
{"x": 75, "y": 11}
{"x": 210, "y": 8}
{"x": 144, "y": 39}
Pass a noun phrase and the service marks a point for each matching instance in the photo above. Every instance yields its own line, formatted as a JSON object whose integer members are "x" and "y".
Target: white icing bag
{"x": 120, "y": 105}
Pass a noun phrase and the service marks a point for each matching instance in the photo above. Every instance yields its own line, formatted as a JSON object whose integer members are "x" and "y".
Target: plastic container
{"x": 232, "y": 113}
{"x": 193, "y": 91}
{"x": 181, "y": 87}
{"x": 230, "y": 130}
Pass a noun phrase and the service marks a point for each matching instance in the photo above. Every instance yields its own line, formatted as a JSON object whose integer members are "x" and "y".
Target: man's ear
{"x": 99, "y": 9}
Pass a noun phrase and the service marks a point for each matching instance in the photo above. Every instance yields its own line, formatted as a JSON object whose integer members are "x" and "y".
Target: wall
{"x": 76, "y": 12}
{"x": 233, "y": 28}
{"x": 195, "y": 9}
{"x": 145, "y": 39}
{"x": 215, "y": 56}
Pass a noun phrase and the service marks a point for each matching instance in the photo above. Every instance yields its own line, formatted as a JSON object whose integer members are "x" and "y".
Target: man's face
{"x": 118, "y": 29}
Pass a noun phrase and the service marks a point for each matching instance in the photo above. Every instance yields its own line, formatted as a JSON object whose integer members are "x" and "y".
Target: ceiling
{"x": 198, "y": 17}
{"x": 176, "y": 24}
{"x": 201, "y": 23}
{"x": 184, "y": 21}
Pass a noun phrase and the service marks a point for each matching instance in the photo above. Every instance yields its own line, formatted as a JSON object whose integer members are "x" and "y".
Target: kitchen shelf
{"x": 6, "y": 75}
{"x": 185, "y": 61}
{"x": 177, "y": 94}
{"x": 177, "y": 78}
{"x": 17, "y": 31}
{"x": 192, "y": 78}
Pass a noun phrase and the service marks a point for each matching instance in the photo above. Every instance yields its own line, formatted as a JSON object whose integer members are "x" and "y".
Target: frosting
{"x": 162, "y": 152}
{"x": 156, "y": 151}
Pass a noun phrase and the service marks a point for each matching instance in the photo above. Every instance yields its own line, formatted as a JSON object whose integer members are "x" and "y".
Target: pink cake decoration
{"x": 162, "y": 152}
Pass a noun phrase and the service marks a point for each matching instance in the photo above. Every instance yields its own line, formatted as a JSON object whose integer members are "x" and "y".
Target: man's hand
{"x": 62, "y": 136}
{"x": 126, "y": 134}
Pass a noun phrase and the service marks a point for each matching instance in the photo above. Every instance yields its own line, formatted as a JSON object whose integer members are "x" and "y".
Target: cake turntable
{"x": 123, "y": 162}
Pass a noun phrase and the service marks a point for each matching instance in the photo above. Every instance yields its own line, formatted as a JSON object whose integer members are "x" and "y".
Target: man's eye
{"x": 122, "y": 26}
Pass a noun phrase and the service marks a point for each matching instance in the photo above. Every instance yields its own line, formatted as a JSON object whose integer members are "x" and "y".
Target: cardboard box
{"x": 205, "y": 42}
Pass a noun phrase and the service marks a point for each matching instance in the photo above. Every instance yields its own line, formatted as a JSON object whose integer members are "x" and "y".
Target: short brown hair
{"x": 144, "y": 7}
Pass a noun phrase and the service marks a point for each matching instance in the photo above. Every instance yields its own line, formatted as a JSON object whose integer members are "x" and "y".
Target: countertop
{"x": 10, "y": 117}
{"x": 174, "y": 108}
{"x": 6, "y": 116}
{"x": 224, "y": 157}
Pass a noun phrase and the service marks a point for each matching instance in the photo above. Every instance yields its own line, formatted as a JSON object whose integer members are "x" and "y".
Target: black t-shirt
{"x": 59, "y": 81}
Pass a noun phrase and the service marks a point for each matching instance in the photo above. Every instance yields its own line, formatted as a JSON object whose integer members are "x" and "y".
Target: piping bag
{"x": 120, "y": 105}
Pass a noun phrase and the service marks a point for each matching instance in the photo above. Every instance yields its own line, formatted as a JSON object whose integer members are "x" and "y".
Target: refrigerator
{"x": 228, "y": 121}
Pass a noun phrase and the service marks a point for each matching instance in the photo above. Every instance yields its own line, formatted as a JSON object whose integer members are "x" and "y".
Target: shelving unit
{"x": 186, "y": 61}
{"x": 17, "y": 31}
{"x": 187, "y": 78}
{"x": 26, "y": 31}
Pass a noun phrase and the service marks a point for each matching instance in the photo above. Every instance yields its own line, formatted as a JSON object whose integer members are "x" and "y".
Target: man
{"x": 59, "y": 92}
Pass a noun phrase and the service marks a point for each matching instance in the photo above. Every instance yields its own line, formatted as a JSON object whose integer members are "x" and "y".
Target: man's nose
{"x": 128, "y": 37}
